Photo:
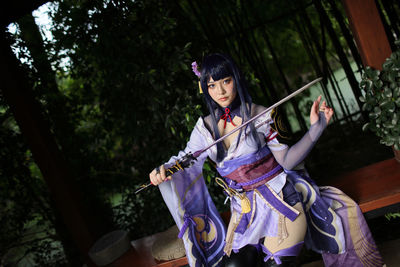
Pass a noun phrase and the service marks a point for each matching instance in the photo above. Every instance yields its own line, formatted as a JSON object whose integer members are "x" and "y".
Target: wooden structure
{"x": 373, "y": 187}
{"x": 368, "y": 32}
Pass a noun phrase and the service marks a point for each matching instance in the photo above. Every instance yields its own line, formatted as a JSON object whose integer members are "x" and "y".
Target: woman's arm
{"x": 319, "y": 118}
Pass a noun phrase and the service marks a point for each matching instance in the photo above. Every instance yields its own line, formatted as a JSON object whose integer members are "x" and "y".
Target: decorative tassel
{"x": 200, "y": 91}
{"x": 245, "y": 204}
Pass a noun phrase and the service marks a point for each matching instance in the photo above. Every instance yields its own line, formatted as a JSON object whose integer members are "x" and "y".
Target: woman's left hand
{"x": 315, "y": 109}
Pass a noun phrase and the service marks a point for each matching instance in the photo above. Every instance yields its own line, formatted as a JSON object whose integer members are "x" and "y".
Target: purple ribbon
{"x": 187, "y": 220}
{"x": 291, "y": 251}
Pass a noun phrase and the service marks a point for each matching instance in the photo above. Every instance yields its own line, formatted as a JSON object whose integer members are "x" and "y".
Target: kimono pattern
{"x": 335, "y": 225}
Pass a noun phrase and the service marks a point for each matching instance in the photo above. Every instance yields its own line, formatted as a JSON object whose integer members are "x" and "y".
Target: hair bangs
{"x": 216, "y": 67}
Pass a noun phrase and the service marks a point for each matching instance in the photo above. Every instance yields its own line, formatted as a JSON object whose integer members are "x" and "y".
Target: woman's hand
{"x": 157, "y": 176}
{"x": 315, "y": 109}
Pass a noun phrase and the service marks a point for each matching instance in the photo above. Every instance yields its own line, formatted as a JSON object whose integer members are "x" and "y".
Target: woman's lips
{"x": 223, "y": 99}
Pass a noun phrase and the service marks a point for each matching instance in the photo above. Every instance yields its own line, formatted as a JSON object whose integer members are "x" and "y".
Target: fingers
{"x": 315, "y": 106}
{"x": 153, "y": 177}
{"x": 157, "y": 176}
{"x": 163, "y": 173}
{"x": 323, "y": 106}
{"x": 328, "y": 114}
{"x": 319, "y": 100}
{"x": 328, "y": 111}
{"x": 314, "y": 110}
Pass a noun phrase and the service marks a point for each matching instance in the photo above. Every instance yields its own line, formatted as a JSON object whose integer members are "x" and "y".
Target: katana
{"x": 188, "y": 160}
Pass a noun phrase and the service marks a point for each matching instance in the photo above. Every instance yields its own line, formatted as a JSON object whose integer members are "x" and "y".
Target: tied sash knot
{"x": 291, "y": 251}
{"x": 227, "y": 117}
{"x": 187, "y": 220}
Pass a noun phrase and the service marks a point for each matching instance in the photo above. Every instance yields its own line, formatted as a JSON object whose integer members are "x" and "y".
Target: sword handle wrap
{"x": 185, "y": 162}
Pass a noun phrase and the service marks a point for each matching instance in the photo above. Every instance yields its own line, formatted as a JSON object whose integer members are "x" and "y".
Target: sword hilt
{"x": 185, "y": 162}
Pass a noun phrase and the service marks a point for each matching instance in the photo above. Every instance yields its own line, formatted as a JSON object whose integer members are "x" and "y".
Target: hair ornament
{"x": 196, "y": 71}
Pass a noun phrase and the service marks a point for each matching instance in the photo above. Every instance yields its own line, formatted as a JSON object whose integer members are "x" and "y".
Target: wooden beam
{"x": 27, "y": 112}
{"x": 368, "y": 31}
{"x": 373, "y": 187}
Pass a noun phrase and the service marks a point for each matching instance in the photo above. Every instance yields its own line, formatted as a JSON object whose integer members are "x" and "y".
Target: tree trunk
{"x": 16, "y": 91}
{"x": 59, "y": 114}
{"x": 342, "y": 56}
{"x": 346, "y": 34}
{"x": 391, "y": 13}
{"x": 312, "y": 37}
{"x": 386, "y": 26}
{"x": 330, "y": 74}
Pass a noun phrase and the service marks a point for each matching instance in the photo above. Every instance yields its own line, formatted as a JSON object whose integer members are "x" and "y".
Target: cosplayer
{"x": 275, "y": 207}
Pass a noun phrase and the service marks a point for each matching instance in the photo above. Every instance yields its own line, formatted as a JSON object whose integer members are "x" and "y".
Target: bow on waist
{"x": 291, "y": 251}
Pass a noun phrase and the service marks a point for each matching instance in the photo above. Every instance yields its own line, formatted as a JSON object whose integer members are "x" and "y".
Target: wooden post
{"x": 27, "y": 112}
{"x": 368, "y": 31}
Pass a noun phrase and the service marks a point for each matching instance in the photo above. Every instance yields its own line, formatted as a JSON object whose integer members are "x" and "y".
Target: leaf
{"x": 397, "y": 146}
{"x": 368, "y": 85}
{"x": 387, "y": 93}
{"x": 365, "y": 126}
{"x": 383, "y": 103}
{"x": 397, "y": 101}
{"x": 395, "y": 119}
{"x": 378, "y": 84}
{"x": 387, "y": 64}
{"x": 396, "y": 92}
{"x": 377, "y": 111}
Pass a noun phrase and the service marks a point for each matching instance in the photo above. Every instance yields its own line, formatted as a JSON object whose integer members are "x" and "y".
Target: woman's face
{"x": 223, "y": 91}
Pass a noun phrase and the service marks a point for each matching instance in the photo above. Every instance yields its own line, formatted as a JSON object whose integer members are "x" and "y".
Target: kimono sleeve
{"x": 188, "y": 200}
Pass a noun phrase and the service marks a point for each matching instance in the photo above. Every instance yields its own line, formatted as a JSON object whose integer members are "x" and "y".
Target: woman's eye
{"x": 211, "y": 86}
{"x": 227, "y": 81}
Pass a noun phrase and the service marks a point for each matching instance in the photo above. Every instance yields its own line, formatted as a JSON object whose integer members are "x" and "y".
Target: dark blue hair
{"x": 219, "y": 66}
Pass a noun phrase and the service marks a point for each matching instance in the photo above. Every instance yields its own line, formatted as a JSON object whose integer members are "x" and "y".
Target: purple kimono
{"x": 336, "y": 227}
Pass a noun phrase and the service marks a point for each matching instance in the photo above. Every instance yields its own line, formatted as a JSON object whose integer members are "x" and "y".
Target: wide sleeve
{"x": 190, "y": 204}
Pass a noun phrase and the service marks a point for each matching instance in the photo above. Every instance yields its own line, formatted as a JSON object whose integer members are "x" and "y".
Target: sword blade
{"x": 298, "y": 91}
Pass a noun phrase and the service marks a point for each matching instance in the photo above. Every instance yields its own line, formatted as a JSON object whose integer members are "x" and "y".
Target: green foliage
{"x": 134, "y": 96}
{"x": 382, "y": 100}
{"x": 25, "y": 216}
{"x": 126, "y": 84}
{"x": 392, "y": 215}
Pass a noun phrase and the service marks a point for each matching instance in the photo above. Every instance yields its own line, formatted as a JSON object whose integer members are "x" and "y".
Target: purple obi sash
{"x": 250, "y": 171}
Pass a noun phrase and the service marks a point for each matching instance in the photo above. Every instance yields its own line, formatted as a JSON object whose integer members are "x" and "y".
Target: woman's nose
{"x": 221, "y": 89}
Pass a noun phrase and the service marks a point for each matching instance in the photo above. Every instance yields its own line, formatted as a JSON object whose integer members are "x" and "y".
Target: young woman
{"x": 275, "y": 206}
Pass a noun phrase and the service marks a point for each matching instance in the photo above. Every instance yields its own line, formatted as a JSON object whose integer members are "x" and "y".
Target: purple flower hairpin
{"x": 195, "y": 69}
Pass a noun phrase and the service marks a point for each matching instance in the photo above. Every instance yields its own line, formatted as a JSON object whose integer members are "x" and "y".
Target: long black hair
{"x": 219, "y": 66}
